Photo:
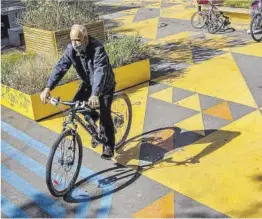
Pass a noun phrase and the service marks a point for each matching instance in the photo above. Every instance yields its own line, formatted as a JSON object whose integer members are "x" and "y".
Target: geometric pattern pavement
{"x": 206, "y": 102}
{"x": 181, "y": 207}
{"x": 199, "y": 127}
{"x": 193, "y": 125}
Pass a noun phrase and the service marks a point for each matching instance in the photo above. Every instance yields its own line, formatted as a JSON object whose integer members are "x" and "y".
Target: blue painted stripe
{"x": 33, "y": 143}
{"x": 39, "y": 170}
{"x": 10, "y": 209}
{"x": 84, "y": 171}
{"x": 23, "y": 159}
{"x": 47, "y": 204}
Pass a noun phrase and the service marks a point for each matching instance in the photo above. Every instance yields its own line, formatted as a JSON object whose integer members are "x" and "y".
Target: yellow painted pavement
{"x": 193, "y": 124}
{"x": 219, "y": 77}
{"x": 165, "y": 95}
{"x": 222, "y": 170}
{"x": 191, "y": 102}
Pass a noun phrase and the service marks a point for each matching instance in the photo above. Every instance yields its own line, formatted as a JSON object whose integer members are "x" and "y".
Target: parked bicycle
{"x": 256, "y": 24}
{"x": 212, "y": 18}
{"x": 66, "y": 153}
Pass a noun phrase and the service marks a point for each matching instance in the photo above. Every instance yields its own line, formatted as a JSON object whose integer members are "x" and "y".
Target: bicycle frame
{"x": 90, "y": 128}
{"x": 211, "y": 12}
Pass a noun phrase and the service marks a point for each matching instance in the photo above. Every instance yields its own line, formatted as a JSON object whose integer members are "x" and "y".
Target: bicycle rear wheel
{"x": 121, "y": 111}
{"x": 66, "y": 156}
{"x": 256, "y": 28}
{"x": 199, "y": 19}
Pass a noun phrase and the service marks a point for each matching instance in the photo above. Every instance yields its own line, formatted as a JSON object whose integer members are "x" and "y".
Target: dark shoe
{"x": 108, "y": 153}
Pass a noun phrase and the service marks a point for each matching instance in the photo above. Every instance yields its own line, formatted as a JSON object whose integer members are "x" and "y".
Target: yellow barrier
{"x": 31, "y": 106}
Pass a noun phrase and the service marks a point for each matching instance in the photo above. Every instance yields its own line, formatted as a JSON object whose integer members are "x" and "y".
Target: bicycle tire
{"x": 129, "y": 106}
{"x": 50, "y": 186}
{"x": 251, "y": 27}
{"x": 219, "y": 26}
{"x": 204, "y": 20}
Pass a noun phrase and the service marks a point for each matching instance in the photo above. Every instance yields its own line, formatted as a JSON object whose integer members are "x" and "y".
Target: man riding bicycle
{"x": 91, "y": 62}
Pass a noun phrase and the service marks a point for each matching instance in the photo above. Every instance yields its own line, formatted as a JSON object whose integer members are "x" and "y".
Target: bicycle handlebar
{"x": 76, "y": 104}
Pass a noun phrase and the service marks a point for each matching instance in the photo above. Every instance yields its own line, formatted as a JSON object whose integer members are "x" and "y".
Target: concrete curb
{"x": 236, "y": 11}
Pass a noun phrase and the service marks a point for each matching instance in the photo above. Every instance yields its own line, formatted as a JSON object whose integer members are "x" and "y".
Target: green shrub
{"x": 238, "y": 3}
{"x": 29, "y": 72}
{"x": 124, "y": 50}
{"x": 57, "y": 14}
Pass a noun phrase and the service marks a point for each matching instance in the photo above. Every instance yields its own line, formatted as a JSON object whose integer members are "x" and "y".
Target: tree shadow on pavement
{"x": 111, "y": 9}
{"x": 252, "y": 210}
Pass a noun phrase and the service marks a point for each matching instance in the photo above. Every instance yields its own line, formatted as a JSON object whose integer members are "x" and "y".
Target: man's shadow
{"x": 154, "y": 148}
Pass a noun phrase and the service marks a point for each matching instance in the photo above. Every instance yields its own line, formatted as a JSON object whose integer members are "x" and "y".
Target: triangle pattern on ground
{"x": 194, "y": 124}
{"x": 220, "y": 110}
{"x": 161, "y": 208}
{"x": 212, "y": 123}
{"x": 164, "y": 95}
{"x": 146, "y": 29}
{"x": 250, "y": 67}
{"x": 239, "y": 110}
{"x": 161, "y": 114}
{"x": 180, "y": 94}
{"x": 155, "y": 87}
{"x": 155, "y": 145}
{"x": 186, "y": 207}
{"x": 146, "y": 13}
{"x": 234, "y": 86}
{"x": 184, "y": 137}
{"x": 207, "y": 102}
{"x": 191, "y": 102}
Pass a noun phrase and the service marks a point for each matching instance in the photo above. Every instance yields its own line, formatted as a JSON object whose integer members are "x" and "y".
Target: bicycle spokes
{"x": 120, "y": 117}
{"x": 64, "y": 164}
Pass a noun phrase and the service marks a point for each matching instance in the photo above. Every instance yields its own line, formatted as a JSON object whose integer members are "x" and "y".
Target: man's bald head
{"x": 78, "y": 33}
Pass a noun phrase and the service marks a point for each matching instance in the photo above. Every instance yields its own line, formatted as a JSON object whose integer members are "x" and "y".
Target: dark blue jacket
{"x": 96, "y": 70}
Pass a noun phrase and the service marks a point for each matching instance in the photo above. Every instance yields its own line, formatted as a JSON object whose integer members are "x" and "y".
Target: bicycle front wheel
{"x": 64, "y": 163}
{"x": 215, "y": 25}
{"x": 256, "y": 28}
{"x": 121, "y": 111}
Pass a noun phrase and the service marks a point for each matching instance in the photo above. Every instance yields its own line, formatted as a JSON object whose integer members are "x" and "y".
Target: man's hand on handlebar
{"x": 44, "y": 95}
{"x": 93, "y": 102}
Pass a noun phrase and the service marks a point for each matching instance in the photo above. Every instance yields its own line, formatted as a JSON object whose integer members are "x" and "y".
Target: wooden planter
{"x": 31, "y": 106}
{"x": 52, "y": 42}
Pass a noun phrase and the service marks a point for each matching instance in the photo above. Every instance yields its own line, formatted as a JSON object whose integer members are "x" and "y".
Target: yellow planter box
{"x": 31, "y": 106}
{"x": 51, "y": 42}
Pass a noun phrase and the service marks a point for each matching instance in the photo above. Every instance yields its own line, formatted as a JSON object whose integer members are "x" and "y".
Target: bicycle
{"x": 214, "y": 19}
{"x": 256, "y": 24}
{"x": 201, "y": 19}
{"x": 67, "y": 156}
{"x": 220, "y": 23}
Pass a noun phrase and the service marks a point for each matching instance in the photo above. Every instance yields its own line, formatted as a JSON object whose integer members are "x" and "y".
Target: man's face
{"x": 78, "y": 41}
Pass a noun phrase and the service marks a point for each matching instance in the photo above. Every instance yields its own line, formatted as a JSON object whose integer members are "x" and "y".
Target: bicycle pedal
{"x": 94, "y": 143}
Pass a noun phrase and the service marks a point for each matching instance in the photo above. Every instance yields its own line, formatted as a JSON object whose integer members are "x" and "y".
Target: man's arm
{"x": 59, "y": 70}
{"x": 101, "y": 63}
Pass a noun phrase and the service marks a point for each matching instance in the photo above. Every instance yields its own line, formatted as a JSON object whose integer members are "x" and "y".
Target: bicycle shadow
{"x": 99, "y": 187}
{"x": 154, "y": 149}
